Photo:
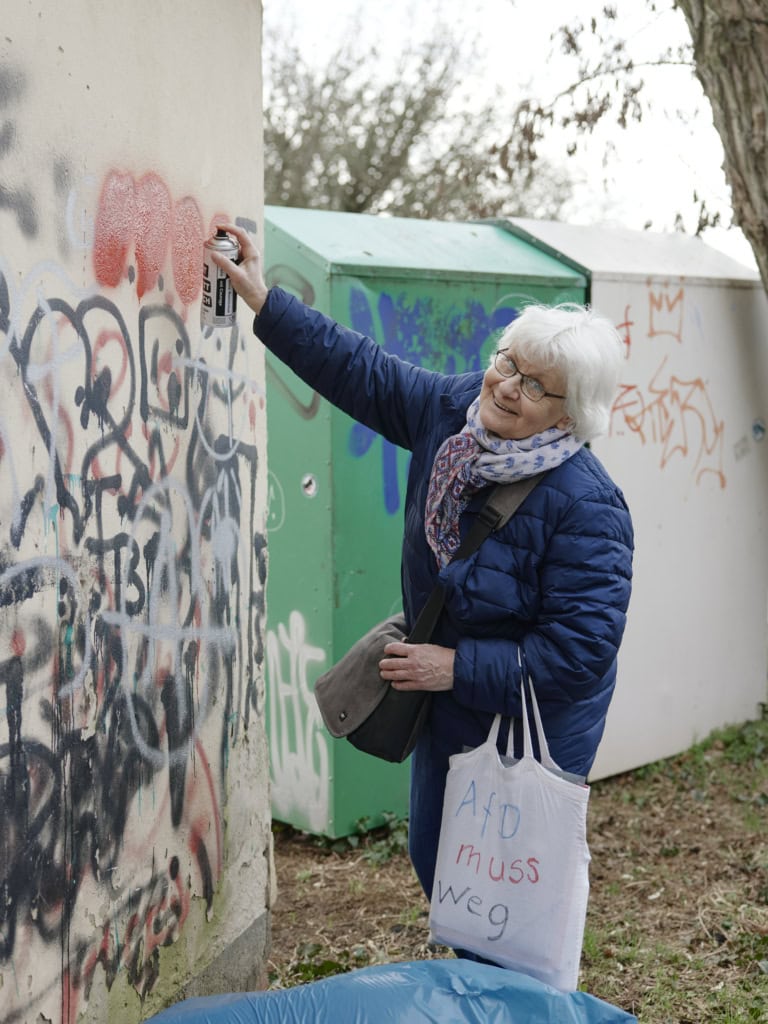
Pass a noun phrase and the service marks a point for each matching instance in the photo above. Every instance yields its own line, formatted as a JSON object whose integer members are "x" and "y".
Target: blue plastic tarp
{"x": 418, "y": 992}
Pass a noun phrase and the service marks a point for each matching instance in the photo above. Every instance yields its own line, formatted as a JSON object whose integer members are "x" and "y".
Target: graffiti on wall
{"x": 673, "y": 412}
{"x": 300, "y": 757}
{"x": 132, "y": 577}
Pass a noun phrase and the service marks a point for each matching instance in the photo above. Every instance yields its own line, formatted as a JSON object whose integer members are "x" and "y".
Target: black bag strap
{"x": 501, "y": 504}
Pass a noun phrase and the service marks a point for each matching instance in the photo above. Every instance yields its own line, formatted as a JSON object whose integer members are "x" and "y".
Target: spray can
{"x": 219, "y": 303}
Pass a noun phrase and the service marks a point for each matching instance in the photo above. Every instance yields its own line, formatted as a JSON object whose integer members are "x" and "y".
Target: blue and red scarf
{"x": 475, "y": 458}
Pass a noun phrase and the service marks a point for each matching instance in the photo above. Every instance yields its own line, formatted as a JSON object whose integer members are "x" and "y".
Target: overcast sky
{"x": 656, "y": 165}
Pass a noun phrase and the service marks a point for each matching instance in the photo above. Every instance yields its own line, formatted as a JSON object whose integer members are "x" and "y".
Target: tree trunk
{"x": 730, "y": 46}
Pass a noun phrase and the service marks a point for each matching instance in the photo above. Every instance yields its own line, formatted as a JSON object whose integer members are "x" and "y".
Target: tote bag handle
{"x": 545, "y": 758}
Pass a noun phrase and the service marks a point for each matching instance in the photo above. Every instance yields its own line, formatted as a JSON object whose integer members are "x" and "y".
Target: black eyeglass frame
{"x": 502, "y": 356}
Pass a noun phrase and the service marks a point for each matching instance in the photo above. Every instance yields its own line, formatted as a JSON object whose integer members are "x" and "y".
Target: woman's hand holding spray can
{"x": 219, "y": 305}
{"x": 238, "y": 265}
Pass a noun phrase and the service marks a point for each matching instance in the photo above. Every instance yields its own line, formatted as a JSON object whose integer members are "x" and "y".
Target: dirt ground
{"x": 677, "y": 928}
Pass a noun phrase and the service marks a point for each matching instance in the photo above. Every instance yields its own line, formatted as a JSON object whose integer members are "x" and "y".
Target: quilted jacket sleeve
{"x": 349, "y": 369}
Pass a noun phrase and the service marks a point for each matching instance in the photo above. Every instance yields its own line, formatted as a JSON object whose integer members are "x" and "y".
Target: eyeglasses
{"x": 531, "y": 388}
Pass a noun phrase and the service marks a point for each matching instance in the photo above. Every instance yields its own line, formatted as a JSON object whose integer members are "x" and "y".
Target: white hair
{"x": 584, "y": 346}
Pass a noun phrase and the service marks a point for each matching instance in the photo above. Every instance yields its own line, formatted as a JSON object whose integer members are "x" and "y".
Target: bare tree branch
{"x": 347, "y": 139}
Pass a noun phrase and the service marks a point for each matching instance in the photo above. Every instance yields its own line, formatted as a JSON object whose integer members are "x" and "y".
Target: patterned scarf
{"x": 474, "y": 458}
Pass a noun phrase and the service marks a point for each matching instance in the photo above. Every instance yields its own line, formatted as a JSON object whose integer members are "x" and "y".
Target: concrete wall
{"x": 134, "y": 815}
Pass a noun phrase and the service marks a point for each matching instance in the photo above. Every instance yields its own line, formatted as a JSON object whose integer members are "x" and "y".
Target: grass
{"x": 696, "y": 843}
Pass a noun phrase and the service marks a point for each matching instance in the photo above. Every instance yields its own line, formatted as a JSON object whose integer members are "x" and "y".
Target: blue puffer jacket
{"x": 555, "y": 580}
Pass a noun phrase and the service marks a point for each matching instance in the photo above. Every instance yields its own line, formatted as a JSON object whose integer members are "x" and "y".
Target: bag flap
{"x": 349, "y": 691}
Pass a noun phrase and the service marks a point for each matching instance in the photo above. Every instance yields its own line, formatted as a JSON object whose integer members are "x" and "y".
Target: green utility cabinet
{"x": 437, "y": 294}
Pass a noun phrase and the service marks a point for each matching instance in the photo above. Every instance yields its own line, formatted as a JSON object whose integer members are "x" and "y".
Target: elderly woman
{"x": 553, "y": 584}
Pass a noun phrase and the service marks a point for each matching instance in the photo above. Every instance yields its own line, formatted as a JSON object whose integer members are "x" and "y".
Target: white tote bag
{"x": 512, "y": 876}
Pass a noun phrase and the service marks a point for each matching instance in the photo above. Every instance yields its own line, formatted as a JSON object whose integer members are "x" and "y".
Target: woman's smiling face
{"x": 508, "y": 413}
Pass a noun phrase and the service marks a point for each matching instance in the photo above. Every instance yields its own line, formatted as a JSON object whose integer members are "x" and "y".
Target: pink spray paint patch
{"x": 113, "y": 228}
{"x": 187, "y": 249}
{"x": 153, "y": 230}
